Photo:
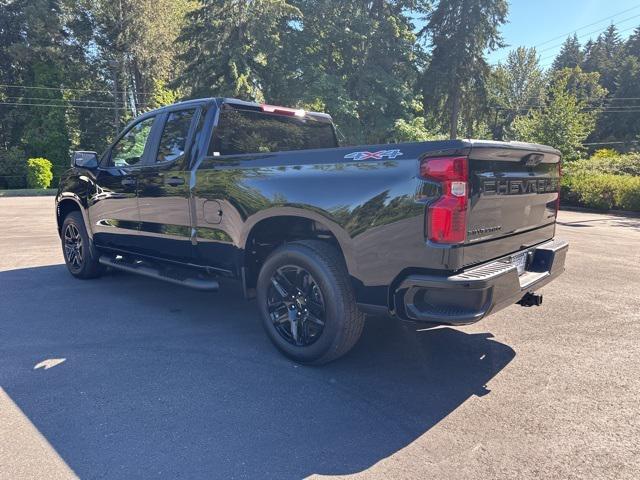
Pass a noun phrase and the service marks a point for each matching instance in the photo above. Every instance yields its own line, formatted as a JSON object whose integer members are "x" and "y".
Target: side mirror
{"x": 84, "y": 159}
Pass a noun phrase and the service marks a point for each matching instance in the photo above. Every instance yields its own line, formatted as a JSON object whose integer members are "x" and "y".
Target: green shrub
{"x": 39, "y": 174}
{"x": 605, "y": 162}
{"x": 605, "y": 153}
{"x": 602, "y": 191}
{"x": 13, "y": 168}
{"x": 628, "y": 194}
{"x": 568, "y": 192}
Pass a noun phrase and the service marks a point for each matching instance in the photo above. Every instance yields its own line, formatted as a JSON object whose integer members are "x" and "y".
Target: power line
{"x": 62, "y": 106}
{"x": 30, "y": 99}
{"x": 596, "y": 100}
{"x": 555, "y": 55}
{"x": 539, "y": 105}
{"x": 526, "y": 108}
{"x": 592, "y": 32}
{"x": 65, "y": 89}
{"x": 564, "y": 35}
{"x": 600, "y": 110}
{"x": 604, "y": 106}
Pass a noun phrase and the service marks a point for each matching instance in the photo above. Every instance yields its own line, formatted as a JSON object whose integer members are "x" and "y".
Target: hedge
{"x": 602, "y": 191}
{"x": 608, "y": 180}
{"x": 39, "y": 174}
{"x": 605, "y": 161}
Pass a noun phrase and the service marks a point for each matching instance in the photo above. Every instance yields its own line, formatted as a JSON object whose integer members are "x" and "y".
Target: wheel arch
{"x": 71, "y": 203}
{"x": 294, "y": 224}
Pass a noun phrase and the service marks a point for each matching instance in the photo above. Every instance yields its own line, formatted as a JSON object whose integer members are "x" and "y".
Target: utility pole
{"x": 116, "y": 110}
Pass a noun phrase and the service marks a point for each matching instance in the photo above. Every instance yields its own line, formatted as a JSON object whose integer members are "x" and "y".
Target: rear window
{"x": 247, "y": 131}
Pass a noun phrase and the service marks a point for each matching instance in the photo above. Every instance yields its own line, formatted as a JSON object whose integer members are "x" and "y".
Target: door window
{"x": 174, "y": 136}
{"x": 130, "y": 148}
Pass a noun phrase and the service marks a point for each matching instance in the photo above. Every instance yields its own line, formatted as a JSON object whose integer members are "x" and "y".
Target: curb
{"x": 620, "y": 213}
{"x": 50, "y": 192}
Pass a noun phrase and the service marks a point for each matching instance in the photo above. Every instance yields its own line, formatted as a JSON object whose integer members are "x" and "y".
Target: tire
{"x": 80, "y": 254}
{"x": 322, "y": 279}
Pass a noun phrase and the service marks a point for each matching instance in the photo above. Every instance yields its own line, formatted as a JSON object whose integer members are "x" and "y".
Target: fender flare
{"x": 72, "y": 197}
{"x": 341, "y": 235}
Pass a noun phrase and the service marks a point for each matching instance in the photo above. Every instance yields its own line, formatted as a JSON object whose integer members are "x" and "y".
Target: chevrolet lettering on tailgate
{"x": 519, "y": 186}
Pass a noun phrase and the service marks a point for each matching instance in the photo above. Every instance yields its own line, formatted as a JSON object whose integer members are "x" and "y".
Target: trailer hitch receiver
{"x": 531, "y": 299}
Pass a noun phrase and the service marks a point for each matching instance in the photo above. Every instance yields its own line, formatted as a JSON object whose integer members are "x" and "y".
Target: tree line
{"x": 73, "y": 72}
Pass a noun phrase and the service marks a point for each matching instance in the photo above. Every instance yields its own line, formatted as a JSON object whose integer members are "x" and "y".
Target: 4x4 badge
{"x": 375, "y": 155}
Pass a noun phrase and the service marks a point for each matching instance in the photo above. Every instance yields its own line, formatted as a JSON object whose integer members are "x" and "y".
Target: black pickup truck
{"x": 443, "y": 232}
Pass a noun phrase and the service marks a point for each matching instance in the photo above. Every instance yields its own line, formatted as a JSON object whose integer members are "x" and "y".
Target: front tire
{"x": 79, "y": 252}
{"x": 307, "y": 302}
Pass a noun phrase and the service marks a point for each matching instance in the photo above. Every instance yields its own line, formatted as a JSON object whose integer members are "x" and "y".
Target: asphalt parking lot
{"x": 125, "y": 377}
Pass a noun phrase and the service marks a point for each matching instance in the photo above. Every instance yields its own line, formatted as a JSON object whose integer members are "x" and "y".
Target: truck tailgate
{"x": 514, "y": 188}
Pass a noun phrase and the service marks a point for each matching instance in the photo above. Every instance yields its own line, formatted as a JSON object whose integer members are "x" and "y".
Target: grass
{"x": 29, "y": 192}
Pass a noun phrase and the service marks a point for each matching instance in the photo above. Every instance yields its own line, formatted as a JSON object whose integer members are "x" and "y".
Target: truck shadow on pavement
{"x": 161, "y": 381}
{"x": 614, "y": 221}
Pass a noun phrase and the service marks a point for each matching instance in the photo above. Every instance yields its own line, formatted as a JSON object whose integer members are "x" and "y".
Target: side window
{"x": 174, "y": 136}
{"x": 129, "y": 149}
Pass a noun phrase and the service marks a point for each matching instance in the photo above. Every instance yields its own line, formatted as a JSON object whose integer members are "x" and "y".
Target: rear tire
{"x": 307, "y": 302}
{"x": 79, "y": 252}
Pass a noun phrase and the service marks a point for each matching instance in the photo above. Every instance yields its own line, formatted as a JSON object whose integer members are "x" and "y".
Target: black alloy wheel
{"x": 80, "y": 255}
{"x": 73, "y": 247}
{"x": 307, "y": 303}
{"x": 296, "y": 306}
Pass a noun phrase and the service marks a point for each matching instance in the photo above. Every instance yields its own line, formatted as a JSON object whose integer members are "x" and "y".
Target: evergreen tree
{"x": 603, "y": 56}
{"x": 230, "y": 44}
{"x": 90, "y": 128}
{"x": 570, "y": 55}
{"x": 38, "y": 60}
{"x": 632, "y": 46}
{"x": 137, "y": 42}
{"x": 460, "y": 31}
{"x": 11, "y": 21}
{"x": 358, "y": 61}
{"x": 621, "y": 120}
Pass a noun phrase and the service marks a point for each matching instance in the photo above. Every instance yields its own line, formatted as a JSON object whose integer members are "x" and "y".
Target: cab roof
{"x": 244, "y": 105}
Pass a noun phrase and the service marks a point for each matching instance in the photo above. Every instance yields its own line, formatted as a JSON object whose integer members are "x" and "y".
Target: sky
{"x": 545, "y": 24}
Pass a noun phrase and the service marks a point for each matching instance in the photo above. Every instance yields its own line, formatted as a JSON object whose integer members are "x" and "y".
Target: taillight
{"x": 447, "y": 216}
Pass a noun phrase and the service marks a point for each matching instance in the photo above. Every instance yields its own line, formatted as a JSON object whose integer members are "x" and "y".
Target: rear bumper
{"x": 473, "y": 294}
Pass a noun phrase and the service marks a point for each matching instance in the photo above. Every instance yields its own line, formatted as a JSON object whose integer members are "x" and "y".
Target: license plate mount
{"x": 520, "y": 261}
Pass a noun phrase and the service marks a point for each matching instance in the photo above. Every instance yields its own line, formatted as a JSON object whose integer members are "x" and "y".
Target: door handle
{"x": 174, "y": 181}
{"x": 128, "y": 182}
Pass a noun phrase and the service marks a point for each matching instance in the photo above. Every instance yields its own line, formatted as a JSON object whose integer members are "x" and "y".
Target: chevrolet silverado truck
{"x": 441, "y": 232}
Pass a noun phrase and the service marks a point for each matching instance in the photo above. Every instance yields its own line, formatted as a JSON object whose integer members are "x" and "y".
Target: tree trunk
{"x": 455, "y": 112}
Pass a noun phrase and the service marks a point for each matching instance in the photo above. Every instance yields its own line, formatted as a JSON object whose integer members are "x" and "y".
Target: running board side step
{"x": 146, "y": 270}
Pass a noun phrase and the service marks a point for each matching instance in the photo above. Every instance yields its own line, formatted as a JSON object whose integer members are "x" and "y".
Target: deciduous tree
{"x": 514, "y": 88}
{"x": 564, "y": 121}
